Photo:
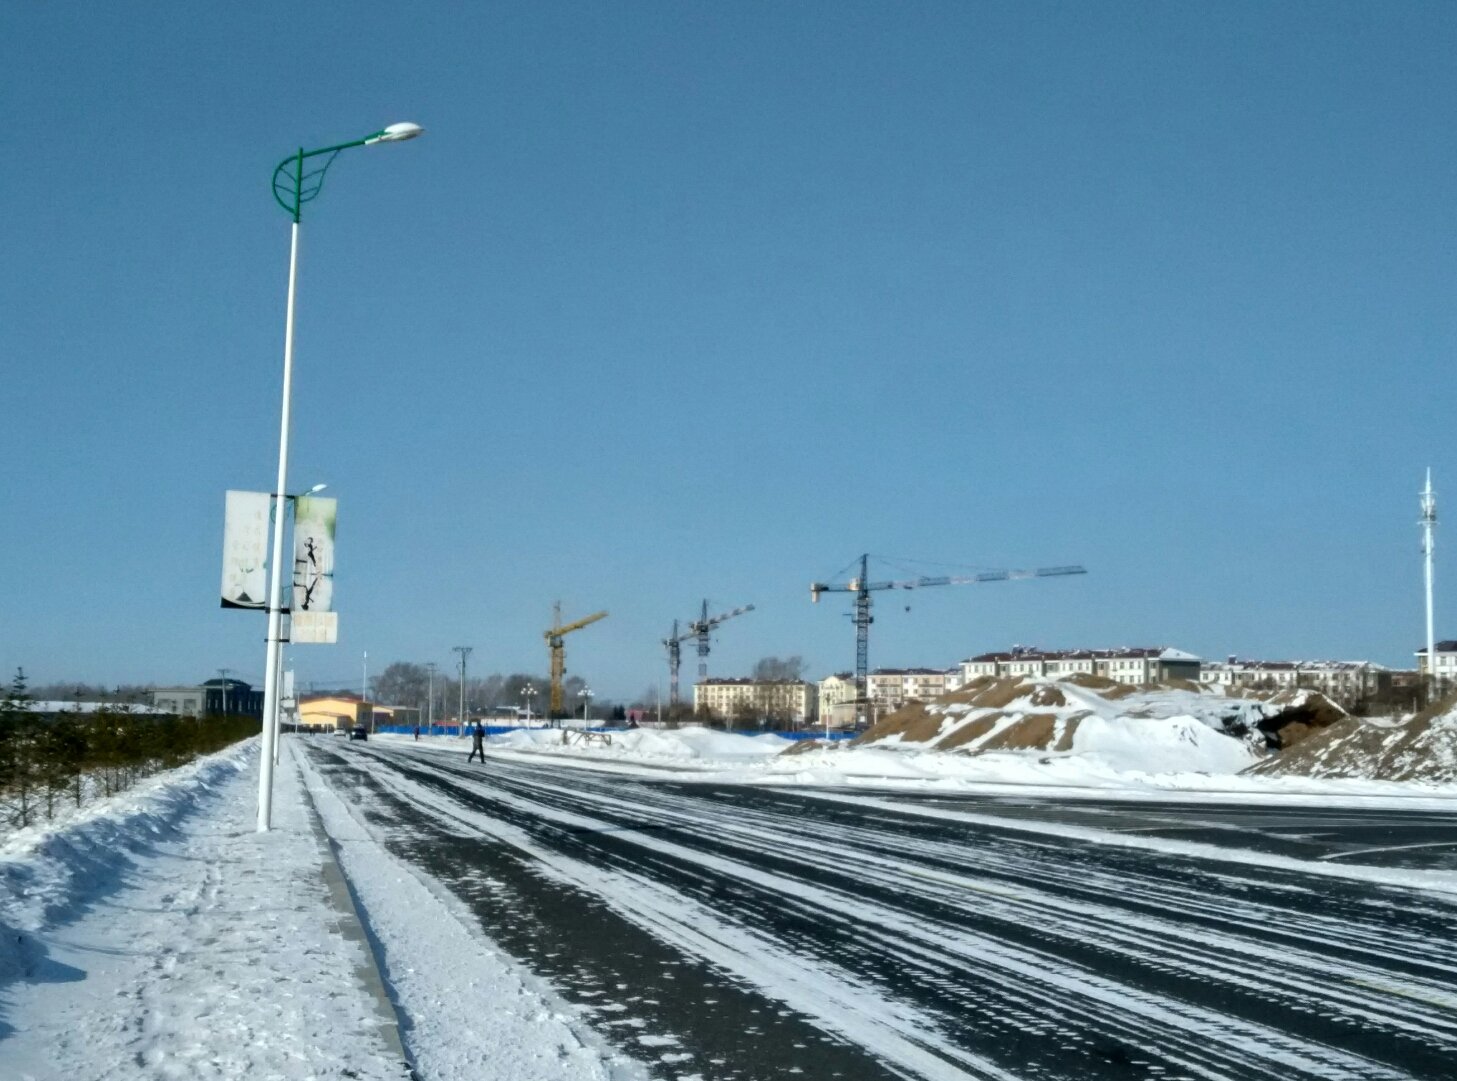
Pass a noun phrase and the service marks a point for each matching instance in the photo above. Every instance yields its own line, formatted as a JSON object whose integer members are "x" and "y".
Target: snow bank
{"x": 48, "y": 869}
{"x": 677, "y": 745}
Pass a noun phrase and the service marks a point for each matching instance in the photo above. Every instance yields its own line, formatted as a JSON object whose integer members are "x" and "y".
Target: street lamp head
{"x": 396, "y": 133}
{"x": 317, "y": 488}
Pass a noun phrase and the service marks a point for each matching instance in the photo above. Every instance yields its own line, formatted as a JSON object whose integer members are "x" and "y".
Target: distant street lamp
{"x": 292, "y": 188}
{"x": 528, "y": 692}
{"x": 586, "y": 704}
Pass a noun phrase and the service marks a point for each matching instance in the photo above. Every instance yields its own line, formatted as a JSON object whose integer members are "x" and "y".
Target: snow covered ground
{"x": 1137, "y": 758}
{"x": 157, "y": 935}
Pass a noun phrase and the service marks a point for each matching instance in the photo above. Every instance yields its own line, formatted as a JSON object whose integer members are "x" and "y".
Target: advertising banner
{"x": 313, "y": 553}
{"x": 245, "y": 550}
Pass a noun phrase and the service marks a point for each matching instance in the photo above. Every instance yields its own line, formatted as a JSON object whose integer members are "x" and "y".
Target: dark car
{"x": 359, "y": 732}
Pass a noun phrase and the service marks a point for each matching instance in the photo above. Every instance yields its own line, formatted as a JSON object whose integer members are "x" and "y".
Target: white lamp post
{"x": 586, "y": 705}
{"x": 292, "y": 187}
{"x": 277, "y": 722}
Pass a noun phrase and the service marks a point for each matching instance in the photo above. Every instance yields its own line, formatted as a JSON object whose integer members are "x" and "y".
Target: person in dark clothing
{"x": 417, "y": 733}
{"x": 477, "y": 744}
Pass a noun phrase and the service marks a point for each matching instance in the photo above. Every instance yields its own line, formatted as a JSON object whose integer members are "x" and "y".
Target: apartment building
{"x": 1446, "y": 667}
{"x": 891, "y": 688}
{"x": 1344, "y": 681}
{"x": 1152, "y": 664}
{"x": 793, "y": 701}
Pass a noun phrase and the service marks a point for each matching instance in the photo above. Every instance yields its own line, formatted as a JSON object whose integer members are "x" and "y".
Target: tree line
{"x": 406, "y": 683}
{"x": 51, "y": 761}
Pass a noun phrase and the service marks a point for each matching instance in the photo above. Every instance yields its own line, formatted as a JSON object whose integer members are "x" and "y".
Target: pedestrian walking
{"x": 417, "y": 733}
{"x": 477, "y": 744}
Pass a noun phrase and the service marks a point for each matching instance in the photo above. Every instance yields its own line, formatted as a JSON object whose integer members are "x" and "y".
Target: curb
{"x": 350, "y": 926}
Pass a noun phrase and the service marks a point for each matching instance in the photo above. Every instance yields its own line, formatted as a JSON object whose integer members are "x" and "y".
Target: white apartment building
{"x": 887, "y": 688}
{"x": 1344, "y": 681}
{"x": 1154, "y": 664}
{"x": 725, "y": 699}
{"x": 836, "y": 689}
{"x": 1446, "y": 667}
{"x": 891, "y": 688}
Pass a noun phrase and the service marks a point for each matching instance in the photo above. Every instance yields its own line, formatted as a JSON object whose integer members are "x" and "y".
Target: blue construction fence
{"x": 502, "y": 729}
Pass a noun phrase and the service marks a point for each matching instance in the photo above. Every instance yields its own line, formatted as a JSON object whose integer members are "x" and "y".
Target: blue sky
{"x": 685, "y": 300}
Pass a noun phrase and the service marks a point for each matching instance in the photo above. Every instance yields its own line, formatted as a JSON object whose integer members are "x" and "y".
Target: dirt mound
{"x": 1047, "y": 695}
{"x": 999, "y": 692}
{"x": 1421, "y": 749}
{"x": 912, "y": 722}
{"x": 971, "y": 731}
{"x": 1091, "y": 682}
{"x": 1033, "y": 732}
{"x": 803, "y": 746}
{"x": 1300, "y": 714}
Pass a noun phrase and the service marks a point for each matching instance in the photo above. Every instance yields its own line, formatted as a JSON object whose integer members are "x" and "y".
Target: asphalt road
{"x": 730, "y": 932}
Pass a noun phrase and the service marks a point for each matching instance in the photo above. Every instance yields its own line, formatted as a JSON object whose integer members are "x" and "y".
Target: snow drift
{"x": 1156, "y": 729}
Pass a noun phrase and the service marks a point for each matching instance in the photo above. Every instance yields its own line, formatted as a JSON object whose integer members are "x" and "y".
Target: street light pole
{"x": 292, "y": 190}
{"x": 464, "y": 652}
{"x": 586, "y": 705}
{"x": 290, "y": 505}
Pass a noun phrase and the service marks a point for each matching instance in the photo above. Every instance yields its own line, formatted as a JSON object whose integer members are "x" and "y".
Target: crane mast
{"x": 700, "y": 629}
{"x": 862, "y": 587}
{"x": 554, "y": 635}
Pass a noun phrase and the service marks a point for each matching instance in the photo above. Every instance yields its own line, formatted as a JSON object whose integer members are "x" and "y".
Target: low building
{"x": 215, "y": 698}
{"x": 327, "y": 712}
{"x": 1446, "y": 667}
{"x": 891, "y": 688}
{"x": 783, "y": 701}
{"x": 1136, "y": 665}
{"x": 1342, "y": 681}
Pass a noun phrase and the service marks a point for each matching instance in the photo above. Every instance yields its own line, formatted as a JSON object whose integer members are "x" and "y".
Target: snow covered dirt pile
{"x": 1422, "y": 749}
{"x": 1120, "y": 727}
{"x": 685, "y": 746}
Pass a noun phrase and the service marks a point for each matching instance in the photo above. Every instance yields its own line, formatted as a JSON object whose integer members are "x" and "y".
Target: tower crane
{"x": 862, "y": 587}
{"x": 700, "y": 629}
{"x": 554, "y": 636}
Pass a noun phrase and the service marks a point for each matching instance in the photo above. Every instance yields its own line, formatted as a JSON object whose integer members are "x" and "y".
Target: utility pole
{"x": 464, "y": 651}
{"x": 430, "y": 697}
{"x": 1428, "y": 524}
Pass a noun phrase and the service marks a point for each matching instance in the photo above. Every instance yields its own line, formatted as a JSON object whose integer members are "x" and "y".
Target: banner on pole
{"x": 314, "y": 628}
{"x": 245, "y": 549}
{"x": 313, "y": 553}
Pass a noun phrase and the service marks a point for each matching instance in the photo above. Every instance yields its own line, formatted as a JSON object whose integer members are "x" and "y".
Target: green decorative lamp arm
{"x": 292, "y": 187}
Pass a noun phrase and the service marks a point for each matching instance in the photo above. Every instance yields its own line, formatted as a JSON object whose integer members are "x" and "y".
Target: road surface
{"x": 723, "y": 932}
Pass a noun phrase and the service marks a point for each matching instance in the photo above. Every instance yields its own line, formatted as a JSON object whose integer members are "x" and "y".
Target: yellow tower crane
{"x": 558, "y": 650}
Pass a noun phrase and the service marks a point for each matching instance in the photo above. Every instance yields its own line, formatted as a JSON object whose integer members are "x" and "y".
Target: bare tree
{"x": 779, "y": 669}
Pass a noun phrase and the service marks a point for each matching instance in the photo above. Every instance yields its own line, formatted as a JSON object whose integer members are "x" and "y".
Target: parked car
{"x": 359, "y": 732}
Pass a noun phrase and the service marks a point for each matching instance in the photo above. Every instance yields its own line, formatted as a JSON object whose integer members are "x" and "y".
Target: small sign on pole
{"x": 314, "y": 628}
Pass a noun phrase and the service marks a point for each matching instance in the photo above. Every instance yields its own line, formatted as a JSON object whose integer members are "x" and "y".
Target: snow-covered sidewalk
{"x": 161, "y": 936}
{"x": 158, "y": 935}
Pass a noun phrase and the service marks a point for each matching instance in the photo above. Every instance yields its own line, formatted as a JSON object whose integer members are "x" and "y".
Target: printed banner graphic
{"x": 313, "y": 553}
{"x": 245, "y": 550}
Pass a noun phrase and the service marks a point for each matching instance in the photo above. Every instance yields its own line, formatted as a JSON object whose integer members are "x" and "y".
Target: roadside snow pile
{"x": 1119, "y": 727}
{"x": 1422, "y": 749}
{"x": 681, "y": 746}
{"x": 47, "y": 870}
